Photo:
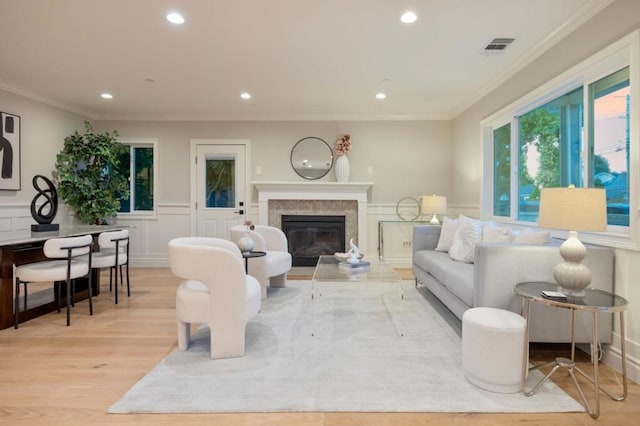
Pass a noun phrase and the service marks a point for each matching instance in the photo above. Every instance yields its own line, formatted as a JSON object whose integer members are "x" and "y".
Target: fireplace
{"x": 312, "y": 236}
{"x": 317, "y": 198}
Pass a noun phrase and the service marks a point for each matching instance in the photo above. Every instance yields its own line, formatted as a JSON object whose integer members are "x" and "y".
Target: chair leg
{"x": 110, "y": 279}
{"x": 16, "y": 320}
{"x": 68, "y": 303}
{"x": 73, "y": 293}
{"x": 184, "y": 330}
{"x": 116, "y": 289}
{"x": 90, "y": 290}
{"x": 227, "y": 341}
{"x": 128, "y": 287}
{"x": 56, "y": 285}
{"x": 278, "y": 280}
{"x": 121, "y": 280}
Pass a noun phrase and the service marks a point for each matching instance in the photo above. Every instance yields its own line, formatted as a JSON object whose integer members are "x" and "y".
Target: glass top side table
{"x": 594, "y": 301}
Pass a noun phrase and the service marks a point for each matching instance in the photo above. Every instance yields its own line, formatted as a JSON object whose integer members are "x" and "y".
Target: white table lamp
{"x": 436, "y": 204}
{"x": 573, "y": 209}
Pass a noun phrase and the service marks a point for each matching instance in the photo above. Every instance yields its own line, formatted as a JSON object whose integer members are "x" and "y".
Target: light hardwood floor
{"x": 53, "y": 374}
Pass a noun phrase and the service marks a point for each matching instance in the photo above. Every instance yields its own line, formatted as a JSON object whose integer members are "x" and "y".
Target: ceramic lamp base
{"x": 571, "y": 275}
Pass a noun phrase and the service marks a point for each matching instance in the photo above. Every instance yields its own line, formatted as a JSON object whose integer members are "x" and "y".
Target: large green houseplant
{"x": 88, "y": 177}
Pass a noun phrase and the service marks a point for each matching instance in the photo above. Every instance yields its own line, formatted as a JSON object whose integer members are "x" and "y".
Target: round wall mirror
{"x": 311, "y": 158}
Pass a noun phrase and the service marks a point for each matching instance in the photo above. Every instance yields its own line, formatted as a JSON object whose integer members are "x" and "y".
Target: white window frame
{"x": 624, "y": 52}
{"x": 143, "y": 214}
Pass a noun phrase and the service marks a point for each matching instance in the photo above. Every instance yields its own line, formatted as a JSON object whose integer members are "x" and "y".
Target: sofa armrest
{"x": 425, "y": 237}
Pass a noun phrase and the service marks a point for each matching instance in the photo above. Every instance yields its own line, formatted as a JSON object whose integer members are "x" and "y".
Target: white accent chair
{"x": 113, "y": 254}
{"x": 269, "y": 270}
{"x": 217, "y": 292}
{"x": 68, "y": 266}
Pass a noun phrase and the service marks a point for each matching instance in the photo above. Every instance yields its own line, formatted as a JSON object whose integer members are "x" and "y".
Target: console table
{"x": 404, "y": 226}
{"x": 20, "y": 247}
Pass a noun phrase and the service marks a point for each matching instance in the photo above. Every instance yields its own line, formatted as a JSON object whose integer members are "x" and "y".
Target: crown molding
{"x": 587, "y": 11}
{"x": 29, "y": 95}
{"x": 282, "y": 117}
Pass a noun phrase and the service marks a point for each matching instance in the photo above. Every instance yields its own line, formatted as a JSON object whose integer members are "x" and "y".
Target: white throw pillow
{"x": 465, "y": 239}
{"x": 529, "y": 236}
{"x": 482, "y": 223}
{"x": 492, "y": 233}
{"x": 449, "y": 227}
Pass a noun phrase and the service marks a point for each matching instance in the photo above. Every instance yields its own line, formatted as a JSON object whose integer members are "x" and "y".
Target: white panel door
{"x": 220, "y": 188}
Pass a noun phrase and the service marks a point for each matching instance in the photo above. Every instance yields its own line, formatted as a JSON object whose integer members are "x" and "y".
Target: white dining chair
{"x": 113, "y": 254}
{"x": 67, "y": 266}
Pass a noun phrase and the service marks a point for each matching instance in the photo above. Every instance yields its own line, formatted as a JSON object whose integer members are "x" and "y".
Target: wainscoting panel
{"x": 150, "y": 235}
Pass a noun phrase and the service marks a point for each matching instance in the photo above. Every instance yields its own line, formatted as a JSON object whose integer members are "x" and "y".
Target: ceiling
{"x": 299, "y": 59}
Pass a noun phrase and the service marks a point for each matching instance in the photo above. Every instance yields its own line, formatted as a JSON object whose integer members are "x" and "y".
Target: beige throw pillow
{"x": 449, "y": 227}
{"x": 529, "y": 236}
{"x": 492, "y": 233}
{"x": 465, "y": 239}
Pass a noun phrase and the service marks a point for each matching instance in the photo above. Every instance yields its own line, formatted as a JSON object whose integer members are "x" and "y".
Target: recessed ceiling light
{"x": 409, "y": 17}
{"x": 106, "y": 96}
{"x": 175, "y": 18}
{"x": 245, "y": 95}
{"x": 380, "y": 95}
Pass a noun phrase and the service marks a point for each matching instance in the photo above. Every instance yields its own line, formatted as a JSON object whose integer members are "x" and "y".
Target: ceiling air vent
{"x": 498, "y": 44}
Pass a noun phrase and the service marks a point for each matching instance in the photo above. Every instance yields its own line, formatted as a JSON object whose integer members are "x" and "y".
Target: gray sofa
{"x": 490, "y": 281}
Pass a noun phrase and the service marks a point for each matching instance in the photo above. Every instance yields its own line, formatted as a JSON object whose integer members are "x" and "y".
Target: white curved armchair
{"x": 271, "y": 269}
{"x": 217, "y": 292}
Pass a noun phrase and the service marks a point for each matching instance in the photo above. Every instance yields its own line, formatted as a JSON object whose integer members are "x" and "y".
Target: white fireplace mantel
{"x": 315, "y": 191}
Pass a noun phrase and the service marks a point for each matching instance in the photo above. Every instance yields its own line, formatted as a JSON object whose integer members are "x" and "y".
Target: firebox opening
{"x": 312, "y": 236}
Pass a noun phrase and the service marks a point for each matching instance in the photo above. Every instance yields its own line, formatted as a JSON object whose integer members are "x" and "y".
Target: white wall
{"x": 407, "y": 157}
{"x": 619, "y": 19}
{"x": 42, "y": 132}
{"x": 43, "y": 129}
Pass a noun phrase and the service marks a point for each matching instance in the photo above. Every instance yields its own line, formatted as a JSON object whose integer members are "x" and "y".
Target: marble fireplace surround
{"x": 316, "y": 198}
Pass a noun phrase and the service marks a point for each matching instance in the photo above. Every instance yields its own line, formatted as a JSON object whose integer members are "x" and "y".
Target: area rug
{"x": 383, "y": 353}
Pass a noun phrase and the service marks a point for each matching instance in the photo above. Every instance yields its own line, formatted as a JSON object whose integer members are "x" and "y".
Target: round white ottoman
{"x": 493, "y": 348}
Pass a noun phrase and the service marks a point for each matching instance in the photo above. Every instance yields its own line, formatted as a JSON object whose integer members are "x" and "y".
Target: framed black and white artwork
{"x": 9, "y": 152}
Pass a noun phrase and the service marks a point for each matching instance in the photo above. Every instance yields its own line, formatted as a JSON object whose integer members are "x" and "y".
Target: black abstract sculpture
{"x": 44, "y": 214}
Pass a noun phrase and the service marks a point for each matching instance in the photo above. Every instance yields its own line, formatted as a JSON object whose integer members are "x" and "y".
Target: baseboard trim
{"x": 612, "y": 357}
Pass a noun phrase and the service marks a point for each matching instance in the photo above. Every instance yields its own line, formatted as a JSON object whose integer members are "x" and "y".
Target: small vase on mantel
{"x": 342, "y": 168}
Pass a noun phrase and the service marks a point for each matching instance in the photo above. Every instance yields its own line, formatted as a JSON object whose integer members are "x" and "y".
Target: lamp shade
{"x": 434, "y": 204}
{"x": 574, "y": 209}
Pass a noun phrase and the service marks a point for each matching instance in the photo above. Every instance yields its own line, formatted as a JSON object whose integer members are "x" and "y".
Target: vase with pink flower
{"x": 246, "y": 243}
{"x": 342, "y": 166}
